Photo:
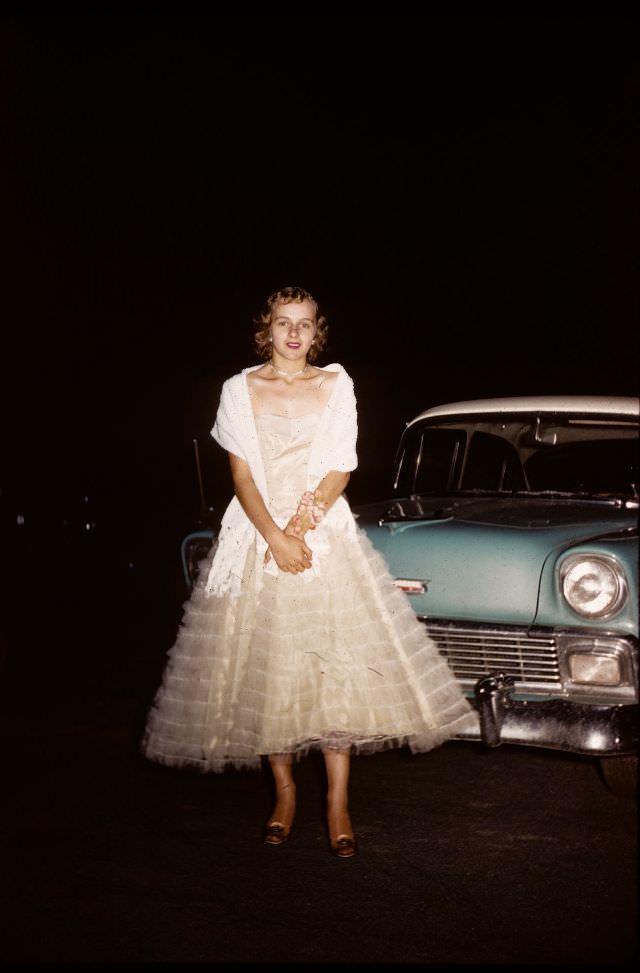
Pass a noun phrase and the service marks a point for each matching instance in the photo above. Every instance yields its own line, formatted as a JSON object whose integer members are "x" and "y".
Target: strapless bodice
{"x": 285, "y": 443}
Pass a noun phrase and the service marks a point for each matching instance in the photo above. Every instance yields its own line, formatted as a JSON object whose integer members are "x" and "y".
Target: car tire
{"x": 621, "y": 775}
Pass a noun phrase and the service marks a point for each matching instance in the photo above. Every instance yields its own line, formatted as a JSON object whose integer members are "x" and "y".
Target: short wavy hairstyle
{"x": 262, "y": 323}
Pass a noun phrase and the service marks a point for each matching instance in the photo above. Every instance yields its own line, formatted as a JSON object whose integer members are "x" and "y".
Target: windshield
{"x": 530, "y": 454}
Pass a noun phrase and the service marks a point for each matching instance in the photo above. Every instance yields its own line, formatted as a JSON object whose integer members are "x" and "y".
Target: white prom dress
{"x": 336, "y": 659}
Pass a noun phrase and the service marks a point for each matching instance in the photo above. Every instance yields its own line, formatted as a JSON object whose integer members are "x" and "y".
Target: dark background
{"x": 460, "y": 194}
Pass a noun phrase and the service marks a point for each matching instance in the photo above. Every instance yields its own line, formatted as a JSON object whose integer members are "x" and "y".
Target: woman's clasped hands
{"x": 289, "y": 551}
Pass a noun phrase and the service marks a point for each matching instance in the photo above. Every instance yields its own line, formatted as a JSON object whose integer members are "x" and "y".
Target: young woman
{"x": 295, "y": 637}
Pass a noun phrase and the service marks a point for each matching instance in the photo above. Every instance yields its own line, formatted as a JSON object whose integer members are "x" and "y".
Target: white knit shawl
{"x": 333, "y": 448}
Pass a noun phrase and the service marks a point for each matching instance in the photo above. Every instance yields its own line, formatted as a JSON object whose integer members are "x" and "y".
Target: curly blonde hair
{"x": 262, "y": 332}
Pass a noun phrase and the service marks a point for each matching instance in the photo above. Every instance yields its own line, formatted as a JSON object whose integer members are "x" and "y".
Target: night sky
{"x": 459, "y": 193}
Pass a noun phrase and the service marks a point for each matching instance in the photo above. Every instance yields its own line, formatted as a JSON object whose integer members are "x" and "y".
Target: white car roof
{"x": 618, "y": 405}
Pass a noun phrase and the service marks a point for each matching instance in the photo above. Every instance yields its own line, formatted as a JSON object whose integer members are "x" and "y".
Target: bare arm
{"x": 289, "y": 552}
{"x": 325, "y": 495}
{"x": 331, "y": 487}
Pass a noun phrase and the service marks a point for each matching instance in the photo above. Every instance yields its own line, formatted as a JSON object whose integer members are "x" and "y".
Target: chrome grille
{"x": 475, "y": 650}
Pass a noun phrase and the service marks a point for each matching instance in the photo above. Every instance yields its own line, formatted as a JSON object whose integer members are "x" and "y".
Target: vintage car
{"x": 512, "y": 525}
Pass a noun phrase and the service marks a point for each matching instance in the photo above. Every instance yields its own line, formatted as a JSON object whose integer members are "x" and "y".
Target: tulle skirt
{"x": 336, "y": 661}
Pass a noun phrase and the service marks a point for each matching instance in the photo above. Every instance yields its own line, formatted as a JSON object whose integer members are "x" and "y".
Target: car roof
{"x": 617, "y": 405}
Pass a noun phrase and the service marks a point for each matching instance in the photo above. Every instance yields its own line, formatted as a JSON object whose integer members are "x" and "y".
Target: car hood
{"x": 482, "y": 559}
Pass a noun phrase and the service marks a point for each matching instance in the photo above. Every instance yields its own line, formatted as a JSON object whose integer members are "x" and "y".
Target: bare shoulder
{"x": 259, "y": 376}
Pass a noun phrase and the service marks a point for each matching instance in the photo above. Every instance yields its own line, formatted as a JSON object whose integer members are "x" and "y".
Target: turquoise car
{"x": 512, "y": 525}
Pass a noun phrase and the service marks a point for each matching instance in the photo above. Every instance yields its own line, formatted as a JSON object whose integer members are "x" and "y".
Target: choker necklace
{"x": 281, "y": 371}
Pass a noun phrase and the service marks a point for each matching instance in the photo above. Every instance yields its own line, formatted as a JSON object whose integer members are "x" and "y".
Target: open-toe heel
{"x": 344, "y": 846}
{"x": 276, "y": 833}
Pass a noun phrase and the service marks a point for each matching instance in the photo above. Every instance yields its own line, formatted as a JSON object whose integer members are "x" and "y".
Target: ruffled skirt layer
{"x": 336, "y": 661}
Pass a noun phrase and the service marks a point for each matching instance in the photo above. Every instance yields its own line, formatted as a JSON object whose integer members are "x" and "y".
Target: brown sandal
{"x": 276, "y": 833}
{"x": 345, "y": 846}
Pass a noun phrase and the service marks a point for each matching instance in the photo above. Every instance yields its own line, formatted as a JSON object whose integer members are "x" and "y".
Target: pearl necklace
{"x": 281, "y": 371}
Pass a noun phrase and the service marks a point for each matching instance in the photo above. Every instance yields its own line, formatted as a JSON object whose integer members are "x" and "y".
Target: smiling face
{"x": 293, "y": 328}
{"x": 288, "y": 302}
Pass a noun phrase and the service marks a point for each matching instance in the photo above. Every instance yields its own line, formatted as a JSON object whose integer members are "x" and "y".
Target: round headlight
{"x": 593, "y": 585}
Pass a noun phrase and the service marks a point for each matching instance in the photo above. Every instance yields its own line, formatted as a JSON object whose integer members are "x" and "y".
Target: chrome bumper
{"x": 557, "y": 724}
